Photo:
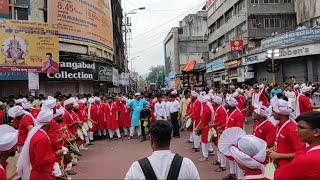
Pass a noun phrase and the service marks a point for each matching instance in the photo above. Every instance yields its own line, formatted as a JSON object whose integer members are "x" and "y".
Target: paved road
{"x": 111, "y": 160}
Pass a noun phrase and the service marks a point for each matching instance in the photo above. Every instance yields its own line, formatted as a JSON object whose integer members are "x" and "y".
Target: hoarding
{"x": 83, "y": 22}
{"x": 28, "y": 47}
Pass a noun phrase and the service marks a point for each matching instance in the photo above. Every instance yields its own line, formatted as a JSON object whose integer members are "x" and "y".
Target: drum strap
{"x": 173, "y": 172}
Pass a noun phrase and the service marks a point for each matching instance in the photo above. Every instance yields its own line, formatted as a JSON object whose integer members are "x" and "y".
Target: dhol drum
{"x": 212, "y": 134}
{"x": 84, "y": 131}
{"x": 189, "y": 123}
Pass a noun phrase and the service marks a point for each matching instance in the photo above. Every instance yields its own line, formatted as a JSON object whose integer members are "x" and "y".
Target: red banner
{"x": 236, "y": 45}
{"x": 4, "y": 8}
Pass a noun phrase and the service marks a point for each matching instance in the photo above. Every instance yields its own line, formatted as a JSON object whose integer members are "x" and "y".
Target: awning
{"x": 193, "y": 66}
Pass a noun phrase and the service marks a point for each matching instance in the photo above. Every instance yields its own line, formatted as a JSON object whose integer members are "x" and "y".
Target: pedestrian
{"x": 8, "y": 141}
{"x": 306, "y": 165}
{"x": 235, "y": 118}
{"x": 219, "y": 123}
{"x": 112, "y": 118}
{"x": 160, "y": 109}
{"x": 183, "y": 108}
{"x": 262, "y": 127}
{"x": 174, "y": 108}
{"x": 37, "y": 152}
{"x": 203, "y": 126}
{"x": 124, "y": 117}
{"x": 136, "y": 106}
{"x": 26, "y": 123}
{"x": 162, "y": 164}
{"x": 258, "y": 95}
{"x": 287, "y": 144}
{"x": 249, "y": 152}
{"x": 303, "y": 101}
{"x": 145, "y": 120}
{"x": 99, "y": 114}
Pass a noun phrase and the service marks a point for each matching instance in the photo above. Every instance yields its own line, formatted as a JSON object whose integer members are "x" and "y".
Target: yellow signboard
{"x": 83, "y": 22}
{"x": 28, "y": 47}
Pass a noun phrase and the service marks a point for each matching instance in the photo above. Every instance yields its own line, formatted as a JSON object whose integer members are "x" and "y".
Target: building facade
{"x": 86, "y": 65}
{"x": 186, "y": 42}
{"x": 242, "y": 23}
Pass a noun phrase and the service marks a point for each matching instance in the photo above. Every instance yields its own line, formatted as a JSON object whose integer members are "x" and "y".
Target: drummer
{"x": 8, "y": 141}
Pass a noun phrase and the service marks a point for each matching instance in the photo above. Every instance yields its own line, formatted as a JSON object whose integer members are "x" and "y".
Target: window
{"x": 221, "y": 40}
{"x": 271, "y": 1}
{"x": 287, "y": 1}
{"x": 255, "y": 23}
{"x": 19, "y": 9}
{"x": 254, "y": 1}
{"x": 271, "y": 23}
{"x": 288, "y": 23}
{"x": 241, "y": 5}
{"x": 228, "y": 15}
{"x": 220, "y": 22}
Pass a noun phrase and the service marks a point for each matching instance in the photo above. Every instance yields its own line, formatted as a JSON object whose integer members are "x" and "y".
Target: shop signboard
{"x": 303, "y": 35}
{"x": 83, "y": 22}
{"x": 256, "y": 58}
{"x": 28, "y": 47}
{"x": 232, "y": 64}
{"x": 13, "y": 76}
{"x": 72, "y": 69}
{"x": 104, "y": 72}
{"x": 216, "y": 64}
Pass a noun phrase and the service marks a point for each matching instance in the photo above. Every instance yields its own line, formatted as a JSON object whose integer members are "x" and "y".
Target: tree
{"x": 156, "y": 75}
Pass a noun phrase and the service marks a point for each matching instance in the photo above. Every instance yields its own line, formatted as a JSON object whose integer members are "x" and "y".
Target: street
{"x": 112, "y": 160}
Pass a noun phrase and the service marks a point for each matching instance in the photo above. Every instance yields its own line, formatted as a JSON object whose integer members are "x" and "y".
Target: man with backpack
{"x": 162, "y": 164}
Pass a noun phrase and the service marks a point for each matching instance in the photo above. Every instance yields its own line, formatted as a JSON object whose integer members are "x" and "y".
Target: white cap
{"x": 68, "y": 101}
{"x": 194, "y": 94}
{"x": 26, "y": 105}
{"x": 306, "y": 89}
{"x": 15, "y": 111}
{"x": 235, "y": 94}
{"x": 59, "y": 112}
{"x": 232, "y": 102}
{"x": 137, "y": 94}
{"x": 261, "y": 110}
{"x": 97, "y": 99}
{"x": 91, "y": 100}
{"x": 217, "y": 100}
{"x": 45, "y": 116}
{"x": 50, "y": 102}
{"x": 8, "y": 137}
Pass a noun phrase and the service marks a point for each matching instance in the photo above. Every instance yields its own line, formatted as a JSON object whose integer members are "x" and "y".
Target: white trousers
{"x": 235, "y": 169}
{"x": 132, "y": 130}
{"x": 126, "y": 131}
{"x": 191, "y": 137}
{"x": 104, "y": 132}
{"x": 222, "y": 159}
{"x": 205, "y": 150}
{"x": 111, "y": 133}
{"x": 210, "y": 148}
{"x": 196, "y": 138}
{"x": 90, "y": 134}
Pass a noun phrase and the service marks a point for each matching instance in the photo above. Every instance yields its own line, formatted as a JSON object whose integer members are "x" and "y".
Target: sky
{"x": 151, "y": 26}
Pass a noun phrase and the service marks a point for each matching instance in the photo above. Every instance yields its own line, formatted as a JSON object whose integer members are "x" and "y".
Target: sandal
{"x": 216, "y": 163}
{"x": 71, "y": 172}
{"x": 230, "y": 176}
{"x": 220, "y": 169}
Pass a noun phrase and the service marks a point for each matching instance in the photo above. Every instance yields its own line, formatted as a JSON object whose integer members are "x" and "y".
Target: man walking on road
{"x": 162, "y": 164}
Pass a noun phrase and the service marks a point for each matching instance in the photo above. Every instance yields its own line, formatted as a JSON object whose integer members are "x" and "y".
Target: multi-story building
{"x": 186, "y": 42}
{"x": 89, "y": 56}
{"x": 245, "y": 22}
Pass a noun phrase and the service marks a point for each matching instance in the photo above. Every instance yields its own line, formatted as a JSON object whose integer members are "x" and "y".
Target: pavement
{"x": 112, "y": 160}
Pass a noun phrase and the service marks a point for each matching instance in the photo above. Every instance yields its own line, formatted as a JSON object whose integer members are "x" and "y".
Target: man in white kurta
{"x": 162, "y": 157}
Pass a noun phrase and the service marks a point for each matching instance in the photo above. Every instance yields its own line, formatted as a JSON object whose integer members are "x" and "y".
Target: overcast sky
{"x": 147, "y": 43}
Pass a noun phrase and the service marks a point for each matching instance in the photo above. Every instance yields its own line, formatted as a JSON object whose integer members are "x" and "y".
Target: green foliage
{"x": 156, "y": 75}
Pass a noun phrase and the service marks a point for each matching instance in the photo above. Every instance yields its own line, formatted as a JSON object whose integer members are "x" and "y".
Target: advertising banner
{"x": 4, "y": 9}
{"x": 33, "y": 81}
{"x": 232, "y": 64}
{"x": 13, "y": 76}
{"x": 311, "y": 34}
{"x": 115, "y": 77}
{"x": 71, "y": 69}
{"x": 104, "y": 72}
{"x": 28, "y": 47}
{"x": 83, "y": 22}
{"x": 236, "y": 45}
{"x": 125, "y": 79}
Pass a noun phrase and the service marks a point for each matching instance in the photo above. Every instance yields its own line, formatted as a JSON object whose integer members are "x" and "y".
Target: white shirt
{"x": 161, "y": 162}
{"x": 174, "y": 106}
{"x": 160, "y": 109}
{"x": 167, "y": 107}
{"x": 290, "y": 94}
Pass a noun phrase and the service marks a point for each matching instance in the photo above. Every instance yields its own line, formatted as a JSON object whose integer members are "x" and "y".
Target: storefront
{"x": 215, "y": 72}
{"x": 232, "y": 70}
{"x": 77, "y": 76}
{"x": 12, "y": 83}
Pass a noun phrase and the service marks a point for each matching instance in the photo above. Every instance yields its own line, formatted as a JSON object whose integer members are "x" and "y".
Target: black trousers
{"x": 143, "y": 133}
{"x": 175, "y": 124}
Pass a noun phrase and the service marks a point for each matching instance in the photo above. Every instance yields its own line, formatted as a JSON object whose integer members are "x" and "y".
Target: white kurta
{"x": 161, "y": 162}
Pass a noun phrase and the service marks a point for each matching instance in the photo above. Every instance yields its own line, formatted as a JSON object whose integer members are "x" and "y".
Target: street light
{"x": 272, "y": 54}
{"x": 125, "y": 28}
{"x": 132, "y": 61}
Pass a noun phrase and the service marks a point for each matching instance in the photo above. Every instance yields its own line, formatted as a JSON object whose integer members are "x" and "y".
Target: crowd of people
{"x": 48, "y": 134}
